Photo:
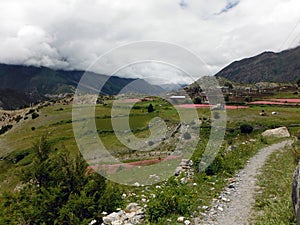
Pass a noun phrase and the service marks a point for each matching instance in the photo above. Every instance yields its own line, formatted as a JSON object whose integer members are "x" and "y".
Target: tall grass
{"x": 273, "y": 204}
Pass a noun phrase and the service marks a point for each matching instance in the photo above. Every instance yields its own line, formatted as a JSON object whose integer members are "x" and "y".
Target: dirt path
{"x": 234, "y": 204}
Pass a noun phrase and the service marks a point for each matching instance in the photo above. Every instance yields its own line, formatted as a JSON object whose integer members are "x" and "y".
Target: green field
{"x": 56, "y": 122}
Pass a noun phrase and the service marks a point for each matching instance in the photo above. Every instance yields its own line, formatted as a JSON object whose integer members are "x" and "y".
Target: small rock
{"x": 220, "y": 208}
{"x": 132, "y": 207}
{"x": 180, "y": 219}
{"x": 187, "y": 222}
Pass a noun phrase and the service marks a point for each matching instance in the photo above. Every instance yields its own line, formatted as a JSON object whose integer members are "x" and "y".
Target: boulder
{"x": 133, "y": 215}
{"x": 280, "y": 132}
{"x": 296, "y": 193}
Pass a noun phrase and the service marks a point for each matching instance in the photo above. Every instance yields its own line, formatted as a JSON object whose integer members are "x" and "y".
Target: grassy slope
{"x": 57, "y": 124}
{"x": 273, "y": 203}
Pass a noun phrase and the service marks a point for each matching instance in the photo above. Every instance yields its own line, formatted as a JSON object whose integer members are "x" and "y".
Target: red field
{"x": 112, "y": 168}
{"x": 287, "y": 100}
{"x": 266, "y": 103}
{"x": 196, "y": 106}
{"x": 277, "y": 101}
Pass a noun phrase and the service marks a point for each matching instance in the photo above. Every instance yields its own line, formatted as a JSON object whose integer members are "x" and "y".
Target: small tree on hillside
{"x": 197, "y": 100}
{"x": 150, "y": 108}
{"x": 298, "y": 82}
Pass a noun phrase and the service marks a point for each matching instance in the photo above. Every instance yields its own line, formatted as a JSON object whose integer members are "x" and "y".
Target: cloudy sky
{"x": 71, "y": 34}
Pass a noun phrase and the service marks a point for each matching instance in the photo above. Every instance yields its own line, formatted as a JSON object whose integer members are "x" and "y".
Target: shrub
{"x": 197, "y": 100}
{"x": 6, "y": 128}
{"x": 30, "y": 112}
{"x": 150, "y": 108}
{"x": 173, "y": 198}
{"x": 34, "y": 115}
{"x": 59, "y": 190}
{"x": 18, "y": 118}
{"x": 246, "y": 129}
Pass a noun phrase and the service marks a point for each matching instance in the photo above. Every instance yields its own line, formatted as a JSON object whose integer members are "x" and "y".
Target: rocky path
{"x": 234, "y": 204}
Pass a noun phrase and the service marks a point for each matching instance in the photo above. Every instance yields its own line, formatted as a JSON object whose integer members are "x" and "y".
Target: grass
{"x": 57, "y": 124}
{"x": 273, "y": 202}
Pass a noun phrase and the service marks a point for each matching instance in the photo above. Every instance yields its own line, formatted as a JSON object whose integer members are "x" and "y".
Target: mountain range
{"x": 21, "y": 85}
{"x": 265, "y": 67}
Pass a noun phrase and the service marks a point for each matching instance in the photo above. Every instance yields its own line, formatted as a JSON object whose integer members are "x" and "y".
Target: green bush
{"x": 172, "y": 198}
{"x": 34, "y": 115}
{"x": 5, "y": 128}
{"x": 150, "y": 108}
{"x": 58, "y": 189}
{"x": 246, "y": 129}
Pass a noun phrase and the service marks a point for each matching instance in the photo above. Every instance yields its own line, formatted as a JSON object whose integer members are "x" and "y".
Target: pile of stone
{"x": 132, "y": 215}
{"x": 185, "y": 167}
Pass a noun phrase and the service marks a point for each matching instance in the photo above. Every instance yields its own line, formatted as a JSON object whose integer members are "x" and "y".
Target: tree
{"x": 58, "y": 189}
{"x": 197, "y": 100}
{"x": 150, "y": 108}
{"x": 229, "y": 85}
{"x": 246, "y": 128}
{"x": 298, "y": 82}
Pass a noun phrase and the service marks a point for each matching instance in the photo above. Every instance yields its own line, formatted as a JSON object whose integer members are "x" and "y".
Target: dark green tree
{"x": 298, "y": 82}
{"x": 58, "y": 189}
{"x": 197, "y": 100}
{"x": 150, "y": 108}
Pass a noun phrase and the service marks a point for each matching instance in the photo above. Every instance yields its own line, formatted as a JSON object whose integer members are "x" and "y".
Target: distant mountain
{"x": 20, "y": 85}
{"x": 266, "y": 67}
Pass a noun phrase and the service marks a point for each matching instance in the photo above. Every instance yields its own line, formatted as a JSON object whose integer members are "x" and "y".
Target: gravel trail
{"x": 235, "y": 202}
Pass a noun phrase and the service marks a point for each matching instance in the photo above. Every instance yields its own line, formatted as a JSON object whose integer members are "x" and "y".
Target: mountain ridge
{"x": 265, "y": 67}
{"x": 25, "y": 81}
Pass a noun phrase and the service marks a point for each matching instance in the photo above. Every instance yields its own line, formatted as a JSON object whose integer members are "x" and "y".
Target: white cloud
{"x": 73, "y": 33}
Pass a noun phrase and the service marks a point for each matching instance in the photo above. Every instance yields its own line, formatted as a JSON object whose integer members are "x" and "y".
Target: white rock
{"x": 220, "y": 208}
{"x": 180, "y": 219}
{"x": 183, "y": 180}
{"x": 132, "y": 207}
{"x": 93, "y": 222}
{"x": 187, "y": 222}
{"x": 280, "y": 132}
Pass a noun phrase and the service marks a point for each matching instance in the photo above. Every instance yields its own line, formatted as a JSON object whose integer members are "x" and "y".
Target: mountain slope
{"x": 266, "y": 67}
{"x": 20, "y": 82}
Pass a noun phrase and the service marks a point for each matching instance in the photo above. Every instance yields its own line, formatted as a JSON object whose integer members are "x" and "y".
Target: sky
{"x": 72, "y": 34}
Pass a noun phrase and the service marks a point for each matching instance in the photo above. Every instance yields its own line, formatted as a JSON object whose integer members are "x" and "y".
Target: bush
{"x": 246, "y": 129}
{"x": 197, "y": 100}
{"x": 58, "y": 189}
{"x": 34, "y": 115}
{"x": 6, "y": 128}
{"x": 30, "y": 112}
{"x": 173, "y": 198}
{"x": 150, "y": 108}
{"x": 18, "y": 118}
